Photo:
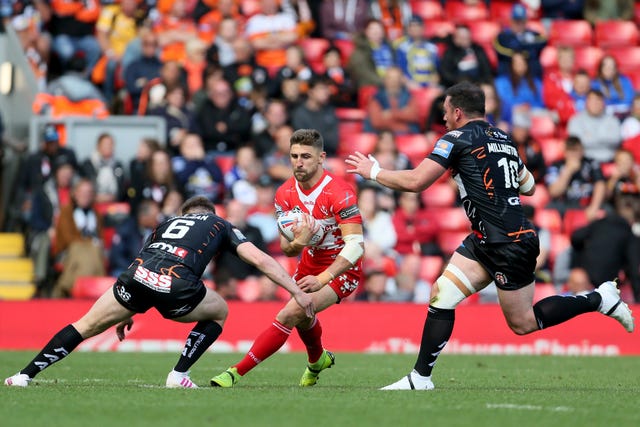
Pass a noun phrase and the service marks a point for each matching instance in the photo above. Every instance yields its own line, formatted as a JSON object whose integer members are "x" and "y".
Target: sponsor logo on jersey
{"x": 455, "y": 133}
{"x": 122, "y": 293}
{"x": 443, "y": 148}
{"x": 496, "y": 134}
{"x": 238, "y": 234}
{"x": 349, "y": 212}
{"x": 175, "y": 250}
{"x": 153, "y": 280}
{"x": 501, "y": 278}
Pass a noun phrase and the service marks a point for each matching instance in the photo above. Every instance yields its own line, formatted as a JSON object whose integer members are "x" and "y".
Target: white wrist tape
{"x": 526, "y": 181}
{"x": 375, "y": 169}
{"x": 353, "y": 249}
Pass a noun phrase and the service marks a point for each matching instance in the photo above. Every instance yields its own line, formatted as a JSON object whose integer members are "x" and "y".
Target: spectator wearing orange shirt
{"x": 72, "y": 26}
{"x": 174, "y": 29}
{"x": 270, "y": 33}
{"x": 209, "y": 23}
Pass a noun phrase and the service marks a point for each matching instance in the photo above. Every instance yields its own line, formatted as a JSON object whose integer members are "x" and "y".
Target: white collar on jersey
{"x": 309, "y": 200}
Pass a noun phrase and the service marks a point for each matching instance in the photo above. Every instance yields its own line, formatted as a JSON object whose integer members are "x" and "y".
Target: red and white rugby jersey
{"x": 332, "y": 201}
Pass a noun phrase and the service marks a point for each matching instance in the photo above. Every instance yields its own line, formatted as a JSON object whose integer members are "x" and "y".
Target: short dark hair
{"x": 572, "y": 141}
{"x": 310, "y": 137}
{"x": 468, "y": 97}
{"x": 197, "y": 203}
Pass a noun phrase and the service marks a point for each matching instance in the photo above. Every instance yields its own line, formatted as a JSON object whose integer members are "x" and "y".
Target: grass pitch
{"x": 126, "y": 389}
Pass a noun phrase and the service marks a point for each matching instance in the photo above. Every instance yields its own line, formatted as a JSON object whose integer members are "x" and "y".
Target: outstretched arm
{"x": 414, "y": 180}
{"x": 248, "y": 252}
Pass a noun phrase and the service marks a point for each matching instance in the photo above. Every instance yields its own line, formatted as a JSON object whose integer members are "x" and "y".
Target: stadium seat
{"x": 91, "y": 287}
{"x": 439, "y": 28}
{"x": 346, "y": 48}
{"x": 500, "y": 12}
{"x": 633, "y": 145}
{"x": 615, "y": 33}
{"x": 627, "y": 57}
{"x": 540, "y": 199}
{"x": 542, "y": 126}
{"x": 459, "y": 12}
{"x": 636, "y": 13}
{"x": 225, "y": 163}
{"x": 427, "y": 9}
{"x": 430, "y": 268}
{"x": 549, "y": 58}
{"x": 221, "y": 210}
{"x": 107, "y": 237}
{"x": 549, "y": 219}
{"x": 362, "y": 142}
{"x": 415, "y": 146}
{"x": 607, "y": 169}
{"x": 439, "y": 194}
{"x": 350, "y": 114}
{"x": 450, "y": 240}
{"x": 572, "y": 220}
{"x": 543, "y": 290}
{"x": 451, "y": 219}
{"x": 484, "y": 32}
{"x": 364, "y": 95}
{"x": 570, "y": 32}
{"x": 588, "y": 57}
{"x": 314, "y": 49}
{"x": 249, "y": 290}
{"x": 552, "y": 149}
{"x": 349, "y": 127}
{"x": 424, "y": 98}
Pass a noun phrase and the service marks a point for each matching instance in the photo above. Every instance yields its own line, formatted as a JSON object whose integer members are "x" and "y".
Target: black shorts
{"x": 180, "y": 297}
{"x": 512, "y": 265}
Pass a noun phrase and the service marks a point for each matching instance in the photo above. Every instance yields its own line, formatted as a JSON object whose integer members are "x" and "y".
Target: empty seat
{"x": 364, "y": 95}
{"x": 548, "y": 219}
{"x": 438, "y": 28}
{"x": 225, "y": 163}
{"x": 627, "y": 57}
{"x": 633, "y": 145}
{"x": 484, "y": 32}
{"x": 451, "y": 219}
{"x": 427, "y": 9}
{"x": 615, "y": 33}
{"x": 450, "y": 240}
{"x": 570, "y": 32}
{"x": 91, "y": 287}
{"x": 439, "y": 195}
{"x": 542, "y": 126}
{"x": 540, "y": 199}
{"x": 415, "y": 146}
{"x": 572, "y": 220}
{"x": 459, "y": 12}
{"x": 424, "y": 99}
{"x": 430, "y": 268}
{"x": 362, "y": 142}
{"x": 314, "y": 49}
{"x": 345, "y": 47}
{"x": 552, "y": 149}
{"x": 588, "y": 57}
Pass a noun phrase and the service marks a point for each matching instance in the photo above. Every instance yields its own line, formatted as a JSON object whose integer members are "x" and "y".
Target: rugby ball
{"x": 288, "y": 219}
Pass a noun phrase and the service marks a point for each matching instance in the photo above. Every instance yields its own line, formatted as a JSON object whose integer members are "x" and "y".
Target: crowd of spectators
{"x": 233, "y": 78}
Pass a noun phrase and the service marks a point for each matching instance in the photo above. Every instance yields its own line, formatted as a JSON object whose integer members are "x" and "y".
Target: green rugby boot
{"x": 310, "y": 376}
{"x": 226, "y": 379}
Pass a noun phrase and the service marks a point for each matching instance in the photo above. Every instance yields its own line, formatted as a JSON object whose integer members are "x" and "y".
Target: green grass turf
{"x": 125, "y": 389}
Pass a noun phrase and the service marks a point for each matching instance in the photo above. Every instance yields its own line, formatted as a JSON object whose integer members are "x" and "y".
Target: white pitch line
{"x": 528, "y": 407}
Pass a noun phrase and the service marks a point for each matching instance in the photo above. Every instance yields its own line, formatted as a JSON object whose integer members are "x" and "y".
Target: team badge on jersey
{"x": 500, "y": 278}
{"x": 443, "y": 148}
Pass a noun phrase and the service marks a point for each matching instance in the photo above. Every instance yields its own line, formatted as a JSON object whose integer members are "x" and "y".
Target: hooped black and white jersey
{"x": 485, "y": 165}
{"x": 183, "y": 246}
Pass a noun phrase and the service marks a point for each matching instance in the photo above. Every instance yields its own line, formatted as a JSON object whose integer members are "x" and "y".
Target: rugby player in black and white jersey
{"x": 503, "y": 245}
{"x": 166, "y": 275}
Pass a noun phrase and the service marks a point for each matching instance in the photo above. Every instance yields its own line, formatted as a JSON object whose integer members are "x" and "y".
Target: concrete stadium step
{"x": 16, "y": 291}
{"x": 11, "y": 245}
{"x": 16, "y": 270}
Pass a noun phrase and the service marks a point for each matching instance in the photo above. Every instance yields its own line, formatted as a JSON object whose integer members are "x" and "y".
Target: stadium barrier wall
{"x": 348, "y": 327}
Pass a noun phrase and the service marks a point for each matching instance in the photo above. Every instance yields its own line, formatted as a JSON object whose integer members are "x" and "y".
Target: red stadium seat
{"x": 364, "y": 95}
{"x": 552, "y": 149}
{"x": 633, "y": 145}
{"x": 439, "y": 194}
{"x": 314, "y": 49}
{"x": 450, "y": 240}
{"x": 345, "y": 47}
{"x": 615, "y": 33}
{"x": 225, "y": 163}
{"x": 549, "y": 219}
{"x": 572, "y": 220}
{"x": 451, "y": 219}
{"x": 627, "y": 57}
{"x": 636, "y": 13}
{"x": 107, "y": 237}
{"x": 459, "y": 12}
{"x": 607, "y": 169}
{"x": 438, "y": 28}
{"x": 249, "y": 290}
{"x": 415, "y": 146}
{"x": 362, "y": 142}
{"x": 427, "y": 9}
{"x": 500, "y": 12}
{"x": 349, "y": 127}
{"x": 484, "y": 32}
{"x": 570, "y": 32}
{"x": 549, "y": 58}
{"x": 350, "y": 114}
{"x": 430, "y": 268}
{"x": 542, "y": 126}
{"x": 540, "y": 199}
{"x": 91, "y": 287}
{"x": 588, "y": 57}
{"x": 542, "y": 291}
{"x": 424, "y": 98}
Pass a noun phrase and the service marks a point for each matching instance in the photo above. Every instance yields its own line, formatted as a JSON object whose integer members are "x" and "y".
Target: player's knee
{"x": 290, "y": 317}
{"x": 447, "y": 292}
{"x": 522, "y": 325}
